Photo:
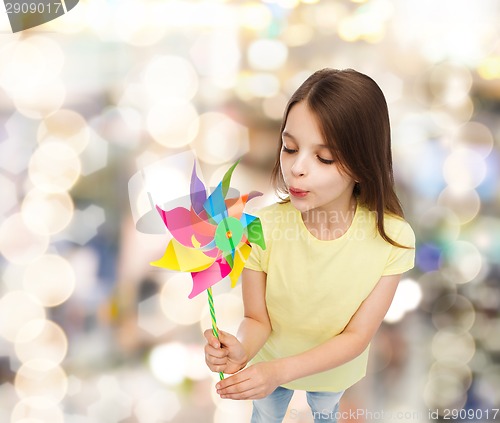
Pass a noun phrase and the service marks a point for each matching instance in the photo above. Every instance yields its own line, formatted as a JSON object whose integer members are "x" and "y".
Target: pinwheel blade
{"x": 180, "y": 258}
{"x": 198, "y": 192}
{"x": 240, "y": 258}
{"x": 185, "y": 224}
{"x": 209, "y": 277}
{"x": 215, "y": 205}
{"x": 255, "y": 234}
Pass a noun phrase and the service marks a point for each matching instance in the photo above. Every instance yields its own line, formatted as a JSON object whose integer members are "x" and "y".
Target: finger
{"x": 247, "y": 395}
{"x": 216, "y": 361}
{"x": 242, "y": 391}
{"x": 237, "y": 388}
{"x": 216, "y": 352}
{"x": 211, "y": 339}
{"x": 218, "y": 369}
{"x": 232, "y": 380}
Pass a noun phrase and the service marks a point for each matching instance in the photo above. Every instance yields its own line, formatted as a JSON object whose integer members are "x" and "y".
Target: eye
{"x": 325, "y": 161}
{"x": 288, "y": 150}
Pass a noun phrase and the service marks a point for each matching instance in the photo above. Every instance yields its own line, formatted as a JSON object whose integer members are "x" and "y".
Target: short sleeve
{"x": 254, "y": 261}
{"x": 401, "y": 259}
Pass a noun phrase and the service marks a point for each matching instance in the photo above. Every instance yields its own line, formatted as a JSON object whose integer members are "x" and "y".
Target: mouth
{"x": 296, "y": 192}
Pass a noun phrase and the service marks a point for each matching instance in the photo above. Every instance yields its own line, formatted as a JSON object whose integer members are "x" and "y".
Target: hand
{"x": 255, "y": 382}
{"x": 225, "y": 354}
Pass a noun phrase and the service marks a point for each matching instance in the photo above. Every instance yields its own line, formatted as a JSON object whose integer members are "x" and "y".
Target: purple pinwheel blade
{"x": 198, "y": 192}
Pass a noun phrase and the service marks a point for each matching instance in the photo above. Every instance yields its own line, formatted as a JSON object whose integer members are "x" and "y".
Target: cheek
{"x": 334, "y": 178}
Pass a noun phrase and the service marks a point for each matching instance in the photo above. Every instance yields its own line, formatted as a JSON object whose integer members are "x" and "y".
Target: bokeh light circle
{"x": 173, "y": 122}
{"x": 267, "y": 54}
{"x": 463, "y": 261}
{"x": 464, "y": 169}
{"x": 19, "y": 243}
{"x": 17, "y": 309}
{"x": 138, "y": 23}
{"x": 42, "y": 100}
{"x": 51, "y": 279}
{"x": 41, "y": 339}
{"x": 54, "y": 167}
{"x": 449, "y": 83}
{"x": 174, "y": 300}
{"x": 447, "y": 386}
{"x": 475, "y": 136}
{"x": 32, "y": 62}
{"x": 170, "y": 77}
{"x": 435, "y": 284}
{"x": 9, "y": 194}
{"x": 465, "y": 204}
{"x": 66, "y": 126}
{"x": 454, "y": 312}
{"x": 168, "y": 363}
{"x": 40, "y": 410}
{"x": 41, "y": 378}
{"x": 452, "y": 345}
{"x": 220, "y": 139}
{"x": 45, "y": 213}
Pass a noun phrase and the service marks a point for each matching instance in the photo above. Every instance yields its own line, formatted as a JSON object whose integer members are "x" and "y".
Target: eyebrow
{"x": 289, "y": 135}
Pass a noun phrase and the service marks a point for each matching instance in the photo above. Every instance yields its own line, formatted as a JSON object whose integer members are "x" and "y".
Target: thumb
{"x": 227, "y": 339}
{"x": 211, "y": 338}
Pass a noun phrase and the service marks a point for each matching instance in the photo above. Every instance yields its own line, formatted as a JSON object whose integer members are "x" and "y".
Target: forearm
{"x": 253, "y": 335}
{"x": 332, "y": 353}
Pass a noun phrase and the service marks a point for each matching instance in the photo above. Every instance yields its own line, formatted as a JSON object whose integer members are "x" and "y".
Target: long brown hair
{"x": 352, "y": 114}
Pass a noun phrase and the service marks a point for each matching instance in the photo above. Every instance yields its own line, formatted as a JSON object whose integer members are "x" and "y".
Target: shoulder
{"x": 399, "y": 230}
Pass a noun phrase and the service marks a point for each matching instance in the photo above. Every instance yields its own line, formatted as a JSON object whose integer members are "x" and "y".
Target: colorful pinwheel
{"x": 212, "y": 239}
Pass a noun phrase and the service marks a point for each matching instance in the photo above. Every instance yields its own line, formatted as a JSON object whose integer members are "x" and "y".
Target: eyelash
{"x": 324, "y": 161}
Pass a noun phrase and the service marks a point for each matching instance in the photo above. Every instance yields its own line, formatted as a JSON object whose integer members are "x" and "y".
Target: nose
{"x": 299, "y": 166}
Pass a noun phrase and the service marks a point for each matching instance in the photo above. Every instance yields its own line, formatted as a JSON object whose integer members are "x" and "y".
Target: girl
{"x": 337, "y": 245}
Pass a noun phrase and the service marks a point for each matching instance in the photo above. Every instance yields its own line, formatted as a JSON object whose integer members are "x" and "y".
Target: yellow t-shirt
{"x": 314, "y": 287}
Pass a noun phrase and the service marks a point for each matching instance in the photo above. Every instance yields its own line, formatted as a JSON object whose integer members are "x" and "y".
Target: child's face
{"x": 313, "y": 178}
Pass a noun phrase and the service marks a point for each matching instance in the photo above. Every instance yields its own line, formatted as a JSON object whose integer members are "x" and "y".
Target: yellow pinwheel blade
{"x": 184, "y": 259}
{"x": 240, "y": 258}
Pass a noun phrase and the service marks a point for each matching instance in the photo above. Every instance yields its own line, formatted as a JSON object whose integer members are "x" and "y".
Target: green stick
{"x": 214, "y": 321}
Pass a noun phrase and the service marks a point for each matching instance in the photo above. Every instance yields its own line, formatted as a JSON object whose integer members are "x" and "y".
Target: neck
{"x": 330, "y": 223}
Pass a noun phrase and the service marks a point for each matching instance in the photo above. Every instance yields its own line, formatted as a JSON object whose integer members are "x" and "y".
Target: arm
{"x": 256, "y": 326}
{"x": 233, "y": 353}
{"x": 261, "y": 379}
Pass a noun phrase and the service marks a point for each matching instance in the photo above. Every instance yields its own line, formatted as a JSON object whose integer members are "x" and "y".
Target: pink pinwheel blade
{"x": 210, "y": 276}
{"x": 183, "y": 224}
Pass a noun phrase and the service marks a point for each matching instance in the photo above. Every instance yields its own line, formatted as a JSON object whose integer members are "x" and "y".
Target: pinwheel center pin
{"x": 228, "y": 234}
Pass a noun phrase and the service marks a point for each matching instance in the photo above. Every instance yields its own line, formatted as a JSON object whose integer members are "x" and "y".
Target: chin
{"x": 301, "y": 205}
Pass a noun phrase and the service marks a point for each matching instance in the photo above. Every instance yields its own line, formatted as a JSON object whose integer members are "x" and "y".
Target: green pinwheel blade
{"x": 255, "y": 234}
{"x": 230, "y": 259}
{"x": 226, "y": 180}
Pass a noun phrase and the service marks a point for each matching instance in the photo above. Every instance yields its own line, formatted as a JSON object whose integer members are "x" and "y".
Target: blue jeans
{"x": 272, "y": 409}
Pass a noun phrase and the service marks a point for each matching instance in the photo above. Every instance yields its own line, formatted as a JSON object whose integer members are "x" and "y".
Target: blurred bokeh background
{"x": 90, "y": 333}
